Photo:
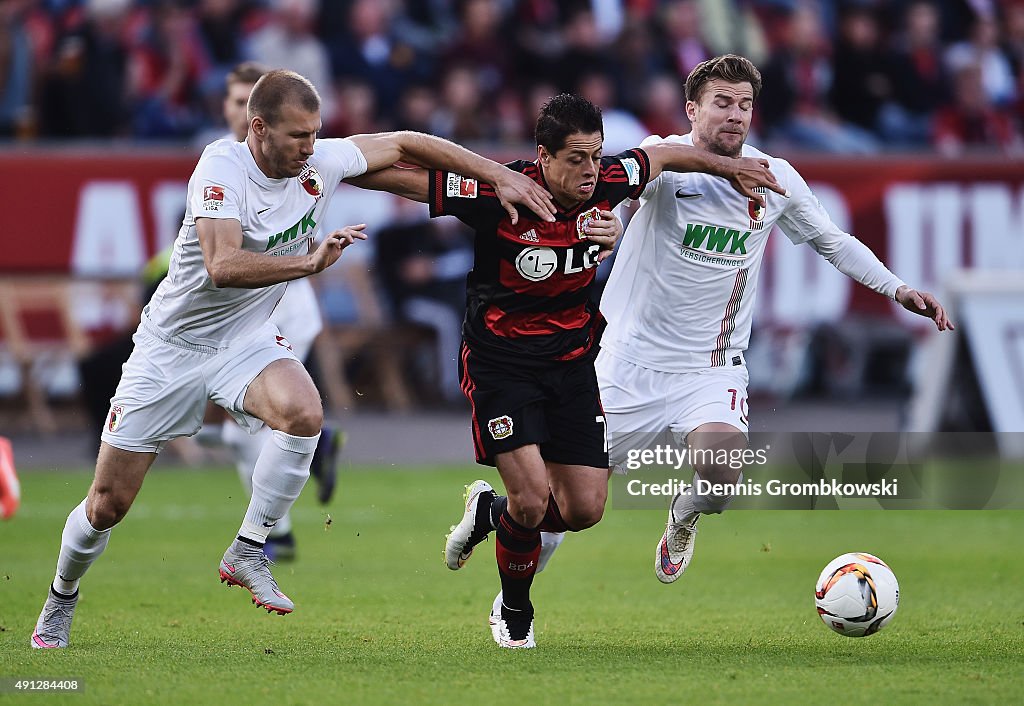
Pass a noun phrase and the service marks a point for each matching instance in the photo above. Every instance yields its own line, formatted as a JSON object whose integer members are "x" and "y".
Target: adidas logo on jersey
{"x": 530, "y": 235}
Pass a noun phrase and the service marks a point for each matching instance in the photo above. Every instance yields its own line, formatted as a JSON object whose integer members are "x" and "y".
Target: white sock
{"x": 549, "y": 542}
{"x": 277, "y": 480}
{"x": 711, "y": 503}
{"x": 80, "y": 545}
{"x": 245, "y": 448}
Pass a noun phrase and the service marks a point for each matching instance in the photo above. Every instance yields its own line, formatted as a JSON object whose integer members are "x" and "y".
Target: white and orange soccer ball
{"x": 857, "y": 594}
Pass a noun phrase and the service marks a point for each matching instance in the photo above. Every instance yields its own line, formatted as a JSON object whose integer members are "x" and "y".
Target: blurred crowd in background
{"x": 850, "y": 76}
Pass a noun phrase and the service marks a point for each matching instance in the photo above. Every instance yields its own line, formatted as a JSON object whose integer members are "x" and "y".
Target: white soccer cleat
{"x": 675, "y": 550}
{"x": 459, "y": 544}
{"x": 494, "y": 618}
{"x": 53, "y": 629}
{"x": 506, "y": 640}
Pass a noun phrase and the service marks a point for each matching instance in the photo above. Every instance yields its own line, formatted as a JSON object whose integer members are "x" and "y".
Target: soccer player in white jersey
{"x": 251, "y": 221}
{"x": 298, "y": 318}
{"x": 680, "y": 298}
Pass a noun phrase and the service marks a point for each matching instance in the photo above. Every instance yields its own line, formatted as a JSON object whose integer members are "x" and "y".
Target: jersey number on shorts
{"x": 742, "y": 402}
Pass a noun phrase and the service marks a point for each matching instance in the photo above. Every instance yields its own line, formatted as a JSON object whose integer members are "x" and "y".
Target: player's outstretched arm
{"x": 924, "y": 304}
{"x": 743, "y": 173}
{"x": 413, "y": 183}
{"x": 231, "y": 266}
{"x": 385, "y": 149}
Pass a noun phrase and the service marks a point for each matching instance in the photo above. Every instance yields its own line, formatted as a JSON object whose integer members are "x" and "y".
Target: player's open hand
{"x": 512, "y": 187}
{"x": 747, "y": 173}
{"x": 924, "y": 304}
{"x": 336, "y": 241}
{"x": 605, "y": 231}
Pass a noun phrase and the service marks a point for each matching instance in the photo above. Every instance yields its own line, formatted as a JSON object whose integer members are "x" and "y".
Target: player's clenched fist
{"x": 336, "y": 241}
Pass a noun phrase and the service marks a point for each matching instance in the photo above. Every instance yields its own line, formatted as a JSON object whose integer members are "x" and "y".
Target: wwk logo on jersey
{"x": 500, "y": 427}
{"x": 311, "y": 181}
{"x": 715, "y": 239}
{"x": 539, "y": 263}
{"x": 585, "y": 219}
{"x": 461, "y": 187}
{"x": 213, "y": 198}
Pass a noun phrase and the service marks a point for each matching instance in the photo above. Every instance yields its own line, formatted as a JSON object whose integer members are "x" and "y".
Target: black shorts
{"x": 555, "y": 404}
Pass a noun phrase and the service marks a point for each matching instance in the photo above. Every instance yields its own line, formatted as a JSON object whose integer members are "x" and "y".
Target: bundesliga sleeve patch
{"x": 213, "y": 198}
{"x": 461, "y": 187}
{"x": 632, "y": 171}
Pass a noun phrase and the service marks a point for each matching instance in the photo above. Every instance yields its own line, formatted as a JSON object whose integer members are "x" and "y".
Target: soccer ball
{"x": 857, "y": 594}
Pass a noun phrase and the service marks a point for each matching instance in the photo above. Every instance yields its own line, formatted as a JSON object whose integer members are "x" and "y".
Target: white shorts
{"x": 644, "y": 407}
{"x": 164, "y": 387}
{"x": 298, "y": 317}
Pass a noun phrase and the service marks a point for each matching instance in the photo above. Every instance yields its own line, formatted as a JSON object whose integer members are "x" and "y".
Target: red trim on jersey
{"x": 535, "y": 323}
{"x": 439, "y": 182}
{"x": 468, "y": 387}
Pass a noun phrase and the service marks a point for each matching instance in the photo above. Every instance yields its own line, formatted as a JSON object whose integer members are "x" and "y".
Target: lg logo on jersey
{"x": 536, "y": 264}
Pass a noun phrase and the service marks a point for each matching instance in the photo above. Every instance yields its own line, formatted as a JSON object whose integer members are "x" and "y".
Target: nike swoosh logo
{"x": 269, "y": 524}
{"x": 680, "y": 194}
{"x": 260, "y": 213}
{"x": 667, "y": 565}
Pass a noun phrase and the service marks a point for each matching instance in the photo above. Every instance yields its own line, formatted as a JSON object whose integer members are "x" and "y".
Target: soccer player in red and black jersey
{"x": 530, "y": 335}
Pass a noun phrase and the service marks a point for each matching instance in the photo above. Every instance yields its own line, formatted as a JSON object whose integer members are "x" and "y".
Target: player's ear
{"x": 543, "y": 155}
{"x": 258, "y": 126}
{"x": 691, "y": 110}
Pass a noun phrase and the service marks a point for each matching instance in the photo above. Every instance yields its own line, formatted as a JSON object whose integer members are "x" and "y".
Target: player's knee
{"x": 303, "y": 418}
{"x": 106, "y": 508}
{"x": 527, "y": 508}
{"x": 580, "y": 517}
{"x": 716, "y": 473}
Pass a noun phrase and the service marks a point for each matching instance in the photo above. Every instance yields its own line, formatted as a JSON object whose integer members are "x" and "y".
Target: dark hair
{"x": 278, "y": 87}
{"x": 248, "y": 72}
{"x": 728, "y": 67}
{"x": 566, "y": 114}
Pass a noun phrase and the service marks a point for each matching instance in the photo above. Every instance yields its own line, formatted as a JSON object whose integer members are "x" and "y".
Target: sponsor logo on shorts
{"x": 213, "y": 197}
{"x": 311, "y": 181}
{"x": 584, "y": 219}
{"x": 115, "y": 417}
{"x": 500, "y": 427}
{"x": 283, "y": 342}
{"x": 461, "y": 187}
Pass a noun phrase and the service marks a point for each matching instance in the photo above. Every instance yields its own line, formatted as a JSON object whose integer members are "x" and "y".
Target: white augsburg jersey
{"x": 278, "y": 217}
{"x": 681, "y": 292}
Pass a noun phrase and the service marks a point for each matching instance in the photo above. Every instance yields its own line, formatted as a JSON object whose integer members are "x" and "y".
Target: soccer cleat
{"x": 675, "y": 550}
{"x": 324, "y": 467}
{"x": 247, "y": 566}
{"x": 53, "y": 629}
{"x": 515, "y": 633}
{"x": 494, "y": 618}
{"x": 280, "y": 548}
{"x": 458, "y": 545}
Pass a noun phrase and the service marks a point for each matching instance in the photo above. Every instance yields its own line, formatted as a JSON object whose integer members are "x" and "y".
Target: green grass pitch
{"x": 379, "y": 619}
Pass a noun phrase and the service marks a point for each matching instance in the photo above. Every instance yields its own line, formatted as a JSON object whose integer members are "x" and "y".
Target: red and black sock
{"x": 517, "y": 549}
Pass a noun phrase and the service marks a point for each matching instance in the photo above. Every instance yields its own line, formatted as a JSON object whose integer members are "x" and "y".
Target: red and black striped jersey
{"x": 528, "y": 294}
